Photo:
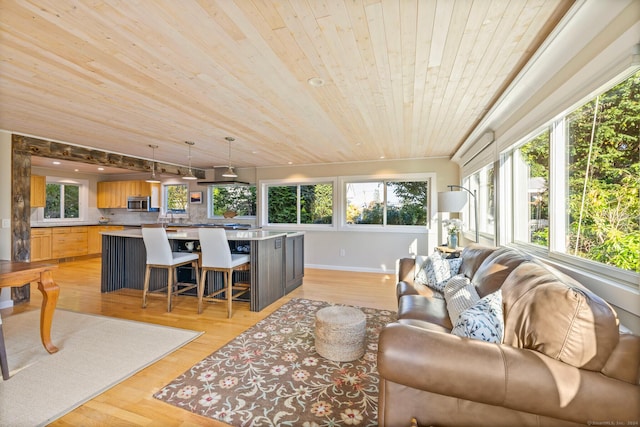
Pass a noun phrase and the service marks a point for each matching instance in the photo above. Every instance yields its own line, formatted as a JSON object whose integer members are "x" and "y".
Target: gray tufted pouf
{"x": 340, "y": 333}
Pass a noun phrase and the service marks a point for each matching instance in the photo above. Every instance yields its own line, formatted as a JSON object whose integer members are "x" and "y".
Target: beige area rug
{"x": 271, "y": 375}
{"x": 95, "y": 353}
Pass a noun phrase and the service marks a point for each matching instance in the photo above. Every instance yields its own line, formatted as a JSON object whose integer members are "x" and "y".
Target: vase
{"x": 453, "y": 241}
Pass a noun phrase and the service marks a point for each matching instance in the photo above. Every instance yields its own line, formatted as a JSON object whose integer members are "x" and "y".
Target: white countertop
{"x": 192, "y": 234}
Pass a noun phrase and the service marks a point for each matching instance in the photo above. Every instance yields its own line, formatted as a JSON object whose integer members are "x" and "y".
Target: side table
{"x": 450, "y": 252}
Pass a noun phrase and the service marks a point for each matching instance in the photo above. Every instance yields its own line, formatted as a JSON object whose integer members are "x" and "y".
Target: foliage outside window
{"x": 240, "y": 199}
{"x": 387, "y": 202}
{"x": 63, "y": 201}
{"x": 176, "y": 197}
{"x": 532, "y": 191}
{"x": 603, "y": 164}
{"x": 595, "y": 150}
{"x": 300, "y": 204}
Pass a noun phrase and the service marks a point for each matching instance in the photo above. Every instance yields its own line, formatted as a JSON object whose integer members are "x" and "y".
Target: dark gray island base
{"x": 277, "y": 262}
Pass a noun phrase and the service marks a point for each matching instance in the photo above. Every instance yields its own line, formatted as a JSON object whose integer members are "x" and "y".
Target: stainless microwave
{"x": 138, "y": 204}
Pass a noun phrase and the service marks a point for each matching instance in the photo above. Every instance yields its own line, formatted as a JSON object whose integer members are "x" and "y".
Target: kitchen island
{"x": 277, "y": 262}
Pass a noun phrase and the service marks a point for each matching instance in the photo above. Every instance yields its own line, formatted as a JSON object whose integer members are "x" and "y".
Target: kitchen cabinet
{"x": 69, "y": 241}
{"x": 40, "y": 244}
{"x": 38, "y": 191}
{"x": 114, "y": 194}
{"x": 94, "y": 238}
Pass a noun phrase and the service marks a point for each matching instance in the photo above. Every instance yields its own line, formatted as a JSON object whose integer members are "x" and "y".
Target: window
{"x": 531, "y": 190}
{"x": 386, "y": 203}
{"x": 175, "y": 198}
{"x": 63, "y": 201}
{"x": 575, "y": 185}
{"x": 603, "y": 177}
{"x": 483, "y": 183}
{"x": 240, "y": 199}
{"x": 300, "y": 204}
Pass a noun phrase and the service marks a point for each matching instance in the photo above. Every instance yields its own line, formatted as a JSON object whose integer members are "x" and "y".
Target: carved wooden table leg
{"x": 50, "y": 292}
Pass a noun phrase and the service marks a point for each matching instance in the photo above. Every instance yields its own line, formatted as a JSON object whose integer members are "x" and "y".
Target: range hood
{"x": 218, "y": 179}
{"x": 228, "y": 182}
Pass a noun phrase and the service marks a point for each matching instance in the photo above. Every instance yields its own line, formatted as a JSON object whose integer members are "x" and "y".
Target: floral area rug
{"x": 271, "y": 375}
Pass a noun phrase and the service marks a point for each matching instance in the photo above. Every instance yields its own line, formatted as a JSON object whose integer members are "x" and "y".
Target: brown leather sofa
{"x": 563, "y": 360}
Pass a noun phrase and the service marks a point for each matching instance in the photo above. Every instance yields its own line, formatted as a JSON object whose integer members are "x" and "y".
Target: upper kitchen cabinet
{"x": 38, "y": 191}
{"x": 114, "y": 194}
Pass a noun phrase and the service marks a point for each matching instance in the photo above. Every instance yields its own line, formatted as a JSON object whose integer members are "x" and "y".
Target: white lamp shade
{"x": 451, "y": 201}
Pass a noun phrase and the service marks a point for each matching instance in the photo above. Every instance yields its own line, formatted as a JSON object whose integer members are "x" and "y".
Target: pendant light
{"x": 229, "y": 173}
{"x": 189, "y": 175}
{"x": 152, "y": 179}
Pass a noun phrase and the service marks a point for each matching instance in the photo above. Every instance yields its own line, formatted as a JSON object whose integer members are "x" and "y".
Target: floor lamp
{"x": 454, "y": 201}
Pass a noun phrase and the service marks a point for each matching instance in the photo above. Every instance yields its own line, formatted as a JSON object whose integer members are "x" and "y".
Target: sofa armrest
{"x": 501, "y": 375}
{"x": 406, "y": 270}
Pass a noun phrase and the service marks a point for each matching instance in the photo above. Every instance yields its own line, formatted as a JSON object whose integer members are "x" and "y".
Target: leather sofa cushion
{"x": 472, "y": 257}
{"x": 495, "y": 268}
{"x": 418, "y": 307}
{"x": 623, "y": 364}
{"x": 547, "y": 311}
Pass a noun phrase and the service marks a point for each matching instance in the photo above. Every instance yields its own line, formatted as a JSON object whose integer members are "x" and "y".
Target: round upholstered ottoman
{"x": 340, "y": 333}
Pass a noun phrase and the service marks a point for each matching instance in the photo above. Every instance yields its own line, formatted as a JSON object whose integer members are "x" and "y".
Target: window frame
{"x": 428, "y": 177}
{"x": 83, "y": 199}
{"x": 263, "y": 202}
{"x": 558, "y": 184}
{"x": 210, "y": 207}
{"x": 165, "y": 200}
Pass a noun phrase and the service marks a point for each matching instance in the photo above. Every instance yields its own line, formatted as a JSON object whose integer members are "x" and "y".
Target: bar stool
{"x": 159, "y": 255}
{"x": 216, "y": 256}
{"x": 4, "y": 364}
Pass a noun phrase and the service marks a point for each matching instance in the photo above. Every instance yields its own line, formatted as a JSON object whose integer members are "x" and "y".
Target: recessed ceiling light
{"x": 289, "y": 163}
{"x": 76, "y": 170}
{"x": 382, "y": 157}
{"x": 100, "y": 169}
{"x": 316, "y": 81}
{"x": 56, "y": 163}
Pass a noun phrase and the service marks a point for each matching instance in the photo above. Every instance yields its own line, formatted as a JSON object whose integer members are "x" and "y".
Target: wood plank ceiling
{"x": 402, "y": 78}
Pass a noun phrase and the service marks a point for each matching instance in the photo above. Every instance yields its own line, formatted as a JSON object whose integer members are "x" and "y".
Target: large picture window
{"x": 603, "y": 181}
{"x": 387, "y": 203}
{"x": 575, "y": 186}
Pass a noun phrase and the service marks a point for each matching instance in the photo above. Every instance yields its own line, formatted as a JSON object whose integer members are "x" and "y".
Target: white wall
{"x": 367, "y": 251}
{"x": 5, "y": 208}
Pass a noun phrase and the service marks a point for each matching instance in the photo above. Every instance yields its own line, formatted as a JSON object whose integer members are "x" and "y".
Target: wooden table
{"x": 19, "y": 273}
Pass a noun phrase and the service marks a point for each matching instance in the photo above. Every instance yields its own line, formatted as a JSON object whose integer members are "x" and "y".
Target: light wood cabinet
{"x": 94, "y": 238}
{"x": 114, "y": 194}
{"x": 69, "y": 242}
{"x": 38, "y": 191}
{"x": 40, "y": 244}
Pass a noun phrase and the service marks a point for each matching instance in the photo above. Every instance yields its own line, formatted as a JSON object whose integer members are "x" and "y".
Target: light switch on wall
{"x": 6, "y": 223}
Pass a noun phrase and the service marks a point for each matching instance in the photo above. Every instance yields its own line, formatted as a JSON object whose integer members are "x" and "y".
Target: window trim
{"x": 429, "y": 177}
{"x": 556, "y": 251}
{"x": 83, "y": 199}
{"x": 210, "y": 206}
{"x": 263, "y": 209}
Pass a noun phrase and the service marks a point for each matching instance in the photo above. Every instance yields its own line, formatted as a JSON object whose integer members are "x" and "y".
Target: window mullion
{"x": 558, "y": 182}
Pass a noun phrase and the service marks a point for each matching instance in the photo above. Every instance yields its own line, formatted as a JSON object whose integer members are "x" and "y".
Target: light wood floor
{"x": 131, "y": 401}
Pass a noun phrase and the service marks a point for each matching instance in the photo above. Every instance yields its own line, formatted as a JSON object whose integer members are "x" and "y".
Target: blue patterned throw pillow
{"x": 435, "y": 272}
{"x": 483, "y": 321}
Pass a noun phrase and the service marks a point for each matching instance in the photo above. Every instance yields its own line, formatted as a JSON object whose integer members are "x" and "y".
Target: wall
{"x": 5, "y": 208}
{"x": 367, "y": 251}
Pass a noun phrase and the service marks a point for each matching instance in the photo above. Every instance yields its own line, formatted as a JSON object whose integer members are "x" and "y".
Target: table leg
{"x": 50, "y": 292}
